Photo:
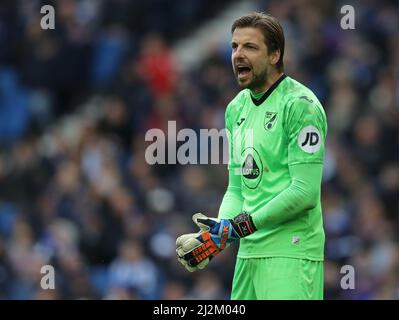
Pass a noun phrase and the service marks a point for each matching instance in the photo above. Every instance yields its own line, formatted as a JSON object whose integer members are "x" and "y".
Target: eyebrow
{"x": 245, "y": 43}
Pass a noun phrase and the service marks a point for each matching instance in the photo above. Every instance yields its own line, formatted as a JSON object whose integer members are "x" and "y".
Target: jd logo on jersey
{"x": 270, "y": 120}
{"x": 252, "y": 168}
{"x": 309, "y": 139}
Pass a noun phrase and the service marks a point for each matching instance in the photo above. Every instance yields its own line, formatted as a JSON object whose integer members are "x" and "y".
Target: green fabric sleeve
{"x": 232, "y": 200}
{"x": 302, "y": 194}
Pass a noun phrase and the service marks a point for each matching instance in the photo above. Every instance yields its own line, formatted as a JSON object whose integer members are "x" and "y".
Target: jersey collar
{"x": 268, "y": 92}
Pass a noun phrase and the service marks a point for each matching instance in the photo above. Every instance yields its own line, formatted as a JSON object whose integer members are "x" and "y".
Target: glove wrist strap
{"x": 243, "y": 225}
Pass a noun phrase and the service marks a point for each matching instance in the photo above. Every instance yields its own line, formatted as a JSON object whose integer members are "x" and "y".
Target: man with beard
{"x": 277, "y": 129}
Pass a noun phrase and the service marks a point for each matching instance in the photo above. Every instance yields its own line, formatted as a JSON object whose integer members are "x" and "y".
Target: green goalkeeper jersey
{"x": 286, "y": 127}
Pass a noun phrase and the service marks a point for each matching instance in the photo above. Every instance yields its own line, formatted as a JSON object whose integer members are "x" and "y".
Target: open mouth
{"x": 242, "y": 71}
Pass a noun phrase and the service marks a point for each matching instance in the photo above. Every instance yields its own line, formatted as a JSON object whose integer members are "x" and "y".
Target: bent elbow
{"x": 309, "y": 195}
{"x": 312, "y": 199}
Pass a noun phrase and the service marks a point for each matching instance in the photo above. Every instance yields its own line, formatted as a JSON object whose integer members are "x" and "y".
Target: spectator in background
{"x": 156, "y": 65}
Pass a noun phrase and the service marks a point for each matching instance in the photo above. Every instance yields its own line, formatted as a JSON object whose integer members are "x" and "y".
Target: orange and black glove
{"x": 195, "y": 250}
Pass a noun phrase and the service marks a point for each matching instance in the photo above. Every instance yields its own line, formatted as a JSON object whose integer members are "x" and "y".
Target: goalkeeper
{"x": 277, "y": 129}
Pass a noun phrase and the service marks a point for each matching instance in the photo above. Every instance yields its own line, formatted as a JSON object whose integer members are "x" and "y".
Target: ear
{"x": 274, "y": 57}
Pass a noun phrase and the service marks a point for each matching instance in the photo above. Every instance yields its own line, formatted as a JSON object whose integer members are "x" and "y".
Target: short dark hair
{"x": 271, "y": 29}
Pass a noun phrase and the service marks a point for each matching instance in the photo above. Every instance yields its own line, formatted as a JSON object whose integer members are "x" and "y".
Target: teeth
{"x": 243, "y": 69}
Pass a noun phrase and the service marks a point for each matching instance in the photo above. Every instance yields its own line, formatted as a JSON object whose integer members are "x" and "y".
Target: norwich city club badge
{"x": 270, "y": 120}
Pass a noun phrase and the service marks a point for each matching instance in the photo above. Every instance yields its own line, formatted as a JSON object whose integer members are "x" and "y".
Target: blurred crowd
{"x": 76, "y": 191}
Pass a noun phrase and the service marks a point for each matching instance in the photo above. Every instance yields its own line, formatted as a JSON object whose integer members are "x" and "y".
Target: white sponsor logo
{"x": 309, "y": 139}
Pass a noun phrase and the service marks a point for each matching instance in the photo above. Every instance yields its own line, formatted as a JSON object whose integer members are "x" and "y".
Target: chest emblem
{"x": 251, "y": 168}
{"x": 270, "y": 119}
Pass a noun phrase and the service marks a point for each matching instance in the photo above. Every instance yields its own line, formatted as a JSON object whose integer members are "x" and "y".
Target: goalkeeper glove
{"x": 185, "y": 244}
{"x": 196, "y": 250}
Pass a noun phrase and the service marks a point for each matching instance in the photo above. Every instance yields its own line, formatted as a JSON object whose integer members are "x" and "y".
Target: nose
{"x": 238, "y": 53}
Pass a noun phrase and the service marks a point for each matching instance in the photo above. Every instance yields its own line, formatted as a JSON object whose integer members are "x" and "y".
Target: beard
{"x": 258, "y": 81}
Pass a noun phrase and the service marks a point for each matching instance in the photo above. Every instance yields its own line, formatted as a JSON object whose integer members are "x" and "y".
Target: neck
{"x": 271, "y": 79}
